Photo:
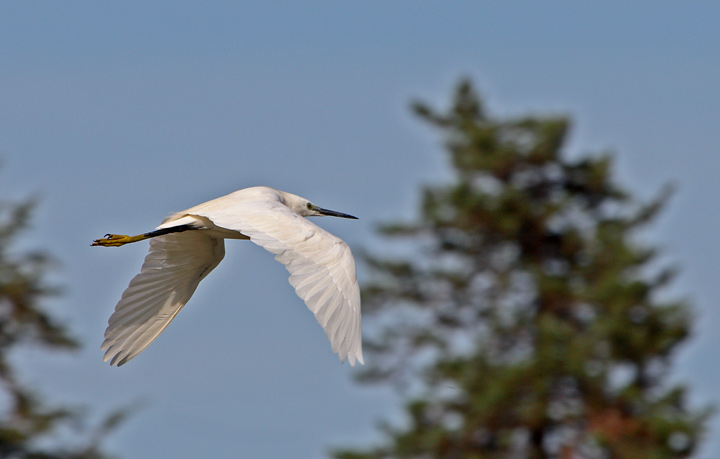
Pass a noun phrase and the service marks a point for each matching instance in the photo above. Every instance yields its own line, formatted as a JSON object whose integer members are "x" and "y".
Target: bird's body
{"x": 190, "y": 244}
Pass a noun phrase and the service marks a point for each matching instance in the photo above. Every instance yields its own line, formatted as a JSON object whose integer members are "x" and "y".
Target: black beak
{"x": 332, "y": 213}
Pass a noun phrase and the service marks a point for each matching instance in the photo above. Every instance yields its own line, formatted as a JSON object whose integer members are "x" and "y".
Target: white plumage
{"x": 190, "y": 244}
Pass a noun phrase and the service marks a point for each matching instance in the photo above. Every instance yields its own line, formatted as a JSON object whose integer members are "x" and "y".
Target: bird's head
{"x": 307, "y": 209}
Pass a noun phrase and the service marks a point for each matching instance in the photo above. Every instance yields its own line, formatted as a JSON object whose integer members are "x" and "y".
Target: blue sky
{"x": 117, "y": 113}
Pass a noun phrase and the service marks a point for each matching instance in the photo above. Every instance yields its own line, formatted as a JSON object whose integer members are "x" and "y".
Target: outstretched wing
{"x": 169, "y": 276}
{"x": 321, "y": 265}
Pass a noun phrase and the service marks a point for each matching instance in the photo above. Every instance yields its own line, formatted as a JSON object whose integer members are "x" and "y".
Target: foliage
{"x": 529, "y": 320}
{"x": 29, "y": 427}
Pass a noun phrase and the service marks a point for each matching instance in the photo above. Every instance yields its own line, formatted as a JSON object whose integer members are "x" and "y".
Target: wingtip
{"x": 116, "y": 357}
{"x": 352, "y": 359}
{"x": 359, "y": 358}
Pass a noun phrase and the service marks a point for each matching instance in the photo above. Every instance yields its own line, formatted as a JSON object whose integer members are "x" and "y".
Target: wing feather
{"x": 321, "y": 265}
{"x": 169, "y": 276}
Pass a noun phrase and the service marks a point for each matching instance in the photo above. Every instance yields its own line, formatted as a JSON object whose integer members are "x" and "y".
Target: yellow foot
{"x": 115, "y": 240}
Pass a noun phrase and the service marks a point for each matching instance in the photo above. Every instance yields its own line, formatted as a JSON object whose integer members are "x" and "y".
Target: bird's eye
{"x": 309, "y": 206}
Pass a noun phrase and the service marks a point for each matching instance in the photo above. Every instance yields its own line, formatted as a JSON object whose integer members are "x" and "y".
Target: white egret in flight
{"x": 190, "y": 244}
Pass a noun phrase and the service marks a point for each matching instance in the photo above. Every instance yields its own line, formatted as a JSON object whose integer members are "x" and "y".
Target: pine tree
{"x": 30, "y": 427}
{"x": 529, "y": 321}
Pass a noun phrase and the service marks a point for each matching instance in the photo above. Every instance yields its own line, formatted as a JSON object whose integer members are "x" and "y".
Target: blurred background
{"x": 113, "y": 115}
